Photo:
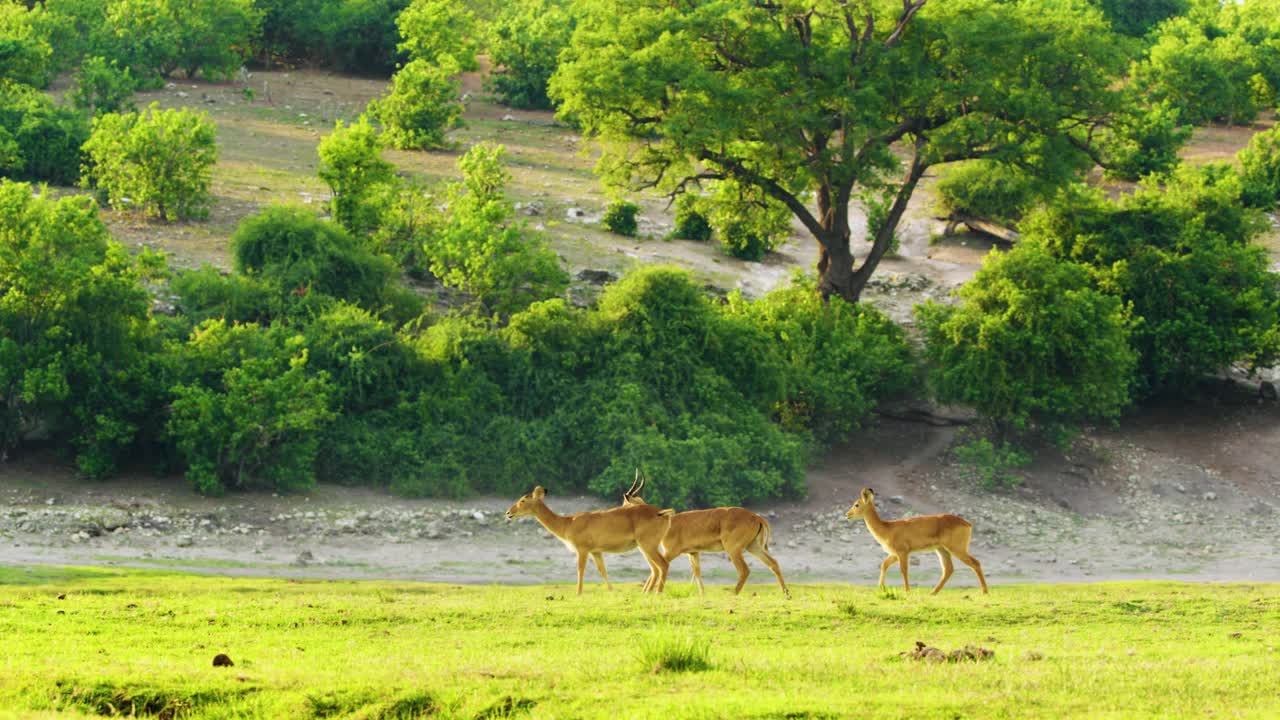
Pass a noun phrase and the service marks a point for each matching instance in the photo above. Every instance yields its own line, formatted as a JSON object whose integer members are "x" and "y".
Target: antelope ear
{"x": 538, "y": 492}
{"x": 867, "y": 493}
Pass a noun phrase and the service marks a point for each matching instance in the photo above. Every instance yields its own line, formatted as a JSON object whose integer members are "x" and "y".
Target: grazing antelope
{"x": 946, "y": 534}
{"x": 731, "y": 530}
{"x": 616, "y": 530}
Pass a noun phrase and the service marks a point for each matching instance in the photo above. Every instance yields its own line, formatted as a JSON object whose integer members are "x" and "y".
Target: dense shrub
{"x": 158, "y": 161}
{"x": 421, "y": 107}
{"x": 102, "y": 86}
{"x": 1260, "y": 170}
{"x": 301, "y": 257}
{"x": 1032, "y": 344}
{"x": 74, "y": 330}
{"x": 989, "y": 190}
{"x": 479, "y": 247}
{"x": 1182, "y": 255}
{"x": 361, "y": 36}
{"x": 26, "y": 54}
{"x": 38, "y": 139}
{"x": 1205, "y": 72}
{"x": 524, "y": 47}
{"x": 747, "y": 223}
{"x": 691, "y": 221}
{"x": 1146, "y": 141}
{"x": 351, "y": 165}
{"x": 208, "y": 293}
{"x": 1137, "y": 17}
{"x": 838, "y": 360}
{"x": 620, "y": 217}
{"x": 252, "y": 415}
{"x": 441, "y": 33}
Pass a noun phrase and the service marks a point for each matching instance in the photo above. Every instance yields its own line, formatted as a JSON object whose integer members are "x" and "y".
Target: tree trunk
{"x": 835, "y": 270}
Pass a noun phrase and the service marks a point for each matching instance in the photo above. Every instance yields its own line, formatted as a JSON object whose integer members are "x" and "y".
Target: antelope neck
{"x": 874, "y": 523}
{"x": 554, "y": 523}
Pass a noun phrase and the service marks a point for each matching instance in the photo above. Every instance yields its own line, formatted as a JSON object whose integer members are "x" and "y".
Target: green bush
{"x": 1205, "y": 72}
{"x": 102, "y": 86}
{"x": 441, "y": 33}
{"x": 1146, "y": 141}
{"x": 747, "y": 223}
{"x": 620, "y": 217}
{"x": 253, "y": 416}
{"x": 1180, "y": 251}
{"x": 351, "y": 165}
{"x": 993, "y": 465}
{"x": 1137, "y": 17}
{"x": 481, "y": 250}
{"x": 74, "y": 330}
{"x": 421, "y": 107}
{"x": 989, "y": 190}
{"x": 691, "y": 221}
{"x": 208, "y": 293}
{"x": 525, "y": 45}
{"x": 1260, "y": 170}
{"x": 361, "y": 36}
{"x": 1032, "y": 344}
{"x": 38, "y": 139}
{"x": 158, "y": 161}
{"x": 839, "y": 360}
{"x": 26, "y": 53}
{"x": 300, "y": 256}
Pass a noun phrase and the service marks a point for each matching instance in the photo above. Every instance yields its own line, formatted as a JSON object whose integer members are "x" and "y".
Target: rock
{"x": 1267, "y": 391}
{"x": 575, "y": 213}
{"x": 897, "y": 499}
{"x": 110, "y": 518}
{"x": 477, "y": 515}
{"x": 533, "y": 208}
{"x": 508, "y": 118}
{"x": 181, "y": 94}
{"x": 1210, "y": 496}
{"x": 304, "y": 558}
{"x": 597, "y": 277}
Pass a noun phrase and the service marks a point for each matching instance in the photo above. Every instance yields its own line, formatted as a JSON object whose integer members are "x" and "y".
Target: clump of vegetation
{"x": 674, "y": 654}
{"x": 987, "y": 190}
{"x": 422, "y": 106}
{"x": 524, "y": 47}
{"x": 1260, "y": 170}
{"x": 39, "y": 140}
{"x": 620, "y": 217}
{"x": 157, "y": 161}
{"x": 1032, "y": 343}
{"x": 102, "y": 86}
{"x": 993, "y": 464}
{"x": 691, "y": 221}
{"x": 1146, "y": 140}
{"x": 351, "y": 165}
{"x": 747, "y": 222}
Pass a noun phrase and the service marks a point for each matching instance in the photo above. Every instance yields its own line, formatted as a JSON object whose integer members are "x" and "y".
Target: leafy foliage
{"x": 351, "y": 165}
{"x": 1260, "y": 170}
{"x": 1033, "y": 343}
{"x": 983, "y": 189}
{"x": 747, "y": 222}
{"x": 1146, "y": 141}
{"x": 993, "y": 464}
{"x": 691, "y": 221}
{"x": 39, "y": 140}
{"x": 421, "y": 107}
{"x": 26, "y": 53}
{"x": 620, "y": 217}
{"x": 74, "y": 329}
{"x": 102, "y": 86}
{"x": 158, "y": 161}
{"x": 1137, "y": 17}
{"x": 524, "y": 48}
{"x": 1182, "y": 255}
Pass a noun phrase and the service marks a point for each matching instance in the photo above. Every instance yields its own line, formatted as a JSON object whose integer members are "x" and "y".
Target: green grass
{"x": 142, "y": 642}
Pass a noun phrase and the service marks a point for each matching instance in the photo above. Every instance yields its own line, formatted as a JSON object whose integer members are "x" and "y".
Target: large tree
{"x": 827, "y": 103}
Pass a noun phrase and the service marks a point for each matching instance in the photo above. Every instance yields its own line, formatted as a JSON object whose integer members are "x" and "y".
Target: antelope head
{"x": 526, "y": 504}
{"x": 860, "y": 505}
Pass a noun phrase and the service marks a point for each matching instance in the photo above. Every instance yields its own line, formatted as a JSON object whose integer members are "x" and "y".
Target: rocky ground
{"x": 1163, "y": 498}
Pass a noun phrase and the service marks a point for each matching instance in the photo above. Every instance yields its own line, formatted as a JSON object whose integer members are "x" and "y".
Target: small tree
{"x": 102, "y": 86}
{"x": 159, "y": 161}
{"x": 620, "y": 217}
{"x": 524, "y": 50}
{"x": 1032, "y": 344}
{"x": 351, "y": 165}
{"x": 421, "y": 107}
{"x": 1260, "y": 170}
{"x": 747, "y": 221}
{"x": 481, "y": 250}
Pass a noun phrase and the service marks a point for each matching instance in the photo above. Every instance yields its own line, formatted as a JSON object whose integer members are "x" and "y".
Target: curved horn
{"x": 631, "y": 490}
{"x": 642, "y": 481}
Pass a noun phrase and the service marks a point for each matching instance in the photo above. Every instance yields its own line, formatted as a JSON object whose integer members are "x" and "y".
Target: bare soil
{"x": 1188, "y": 490}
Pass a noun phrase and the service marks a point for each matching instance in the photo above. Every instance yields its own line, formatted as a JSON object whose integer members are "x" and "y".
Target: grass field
{"x": 103, "y": 642}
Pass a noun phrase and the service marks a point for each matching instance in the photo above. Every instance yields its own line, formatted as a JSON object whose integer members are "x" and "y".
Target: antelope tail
{"x": 765, "y": 534}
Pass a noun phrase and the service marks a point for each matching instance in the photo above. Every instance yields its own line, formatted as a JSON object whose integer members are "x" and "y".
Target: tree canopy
{"x": 824, "y": 103}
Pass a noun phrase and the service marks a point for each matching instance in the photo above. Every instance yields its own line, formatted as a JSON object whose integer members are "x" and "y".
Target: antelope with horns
{"x": 616, "y": 530}
{"x": 945, "y": 534}
{"x": 731, "y": 530}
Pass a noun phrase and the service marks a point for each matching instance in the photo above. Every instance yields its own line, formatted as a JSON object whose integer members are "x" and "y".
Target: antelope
{"x": 616, "y": 530}
{"x": 731, "y": 530}
{"x": 945, "y": 534}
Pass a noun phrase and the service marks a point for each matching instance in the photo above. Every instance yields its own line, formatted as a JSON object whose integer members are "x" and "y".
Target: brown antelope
{"x": 946, "y": 534}
{"x": 731, "y": 530}
{"x": 616, "y": 530}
